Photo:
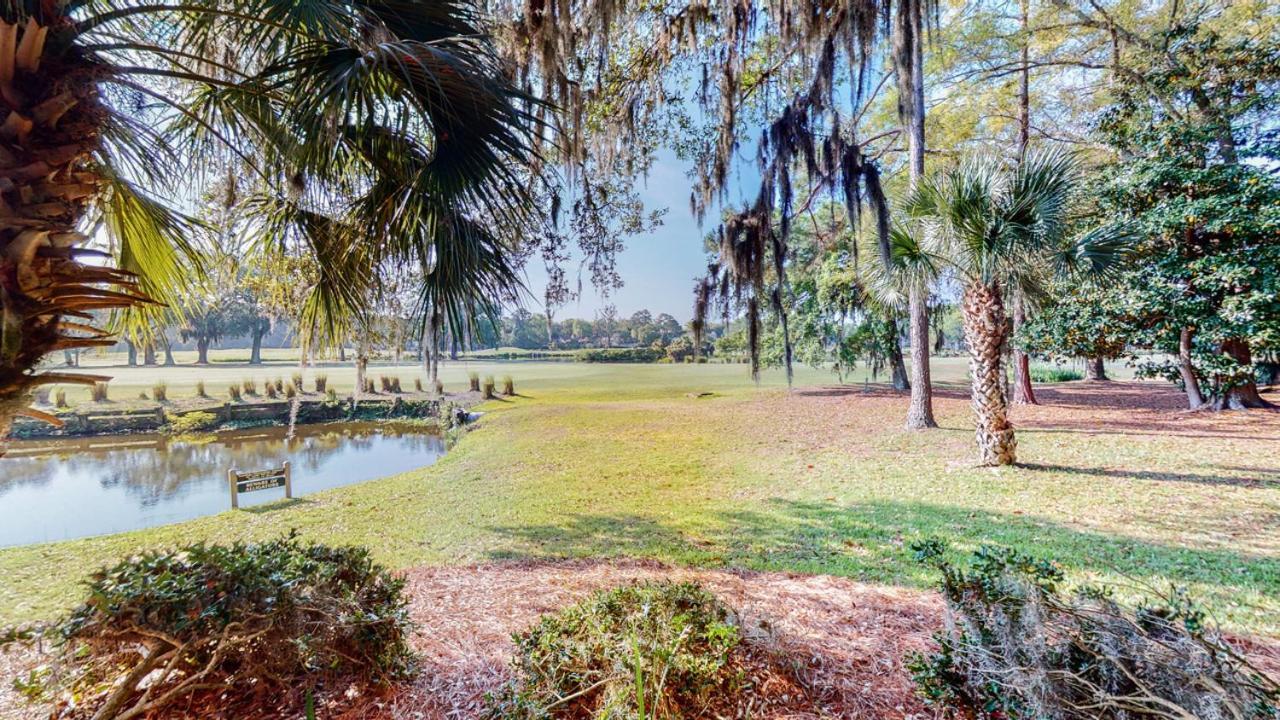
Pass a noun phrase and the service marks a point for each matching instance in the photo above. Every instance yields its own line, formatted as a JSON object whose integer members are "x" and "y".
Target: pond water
{"x": 59, "y": 489}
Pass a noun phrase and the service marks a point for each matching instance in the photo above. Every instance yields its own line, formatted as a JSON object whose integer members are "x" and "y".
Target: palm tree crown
{"x": 377, "y": 132}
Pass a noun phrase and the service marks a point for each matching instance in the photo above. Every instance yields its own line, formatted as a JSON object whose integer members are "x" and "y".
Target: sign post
{"x": 260, "y": 480}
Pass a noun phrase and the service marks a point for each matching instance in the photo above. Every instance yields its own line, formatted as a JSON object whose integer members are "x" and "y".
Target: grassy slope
{"x": 619, "y": 460}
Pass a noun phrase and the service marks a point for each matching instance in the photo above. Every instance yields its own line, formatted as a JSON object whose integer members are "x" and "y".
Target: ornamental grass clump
{"x": 475, "y": 381}
{"x": 508, "y": 386}
{"x": 200, "y": 390}
{"x": 250, "y": 387}
{"x": 290, "y": 390}
{"x": 488, "y": 388}
{"x": 417, "y": 384}
{"x": 60, "y": 399}
{"x": 655, "y": 650}
{"x": 248, "y": 628}
{"x": 1043, "y": 374}
{"x": 1017, "y": 645}
{"x": 233, "y": 391}
{"x": 322, "y": 383}
{"x": 296, "y": 379}
{"x": 438, "y": 387}
{"x": 98, "y": 392}
{"x": 271, "y": 391}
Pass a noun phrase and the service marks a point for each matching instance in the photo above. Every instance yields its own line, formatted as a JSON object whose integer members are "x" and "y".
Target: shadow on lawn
{"x": 1266, "y": 477}
{"x": 871, "y": 542}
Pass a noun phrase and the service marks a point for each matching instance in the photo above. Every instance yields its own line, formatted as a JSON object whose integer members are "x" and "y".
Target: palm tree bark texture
{"x": 985, "y": 332}
{"x": 47, "y": 140}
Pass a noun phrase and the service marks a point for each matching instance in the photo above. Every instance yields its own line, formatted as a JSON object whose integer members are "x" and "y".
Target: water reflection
{"x": 52, "y": 490}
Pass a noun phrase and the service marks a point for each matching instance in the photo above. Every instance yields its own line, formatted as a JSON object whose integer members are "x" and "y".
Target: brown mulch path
{"x": 848, "y": 639}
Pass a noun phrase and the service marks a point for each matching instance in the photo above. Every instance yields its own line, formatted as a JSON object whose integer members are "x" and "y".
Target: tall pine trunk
{"x": 985, "y": 332}
{"x": 1023, "y": 392}
{"x": 908, "y": 56}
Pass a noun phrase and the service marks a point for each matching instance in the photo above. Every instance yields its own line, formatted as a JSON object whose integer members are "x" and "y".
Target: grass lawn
{"x": 614, "y": 460}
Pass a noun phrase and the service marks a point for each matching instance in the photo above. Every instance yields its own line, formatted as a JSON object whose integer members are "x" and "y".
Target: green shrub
{"x": 322, "y": 383}
{"x": 192, "y": 422}
{"x": 1045, "y": 374}
{"x": 656, "y": 650}
{"x": 235, "y": 622}
{"x": 1018, "y": 646}
{"x": 98, "y": 392}
{"x": 508, "y": 386}
{"x": 618, "y": 355}
{"x": 488, "y": 388}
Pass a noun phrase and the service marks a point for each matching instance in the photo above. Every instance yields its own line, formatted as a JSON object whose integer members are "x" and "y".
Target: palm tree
{"x": 119, "y": 109}
{"x": 991, "y": 224}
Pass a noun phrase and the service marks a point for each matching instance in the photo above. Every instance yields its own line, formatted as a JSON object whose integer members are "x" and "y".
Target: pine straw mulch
{"x": 846, "y": 640}
{"x": 819, "y": 646}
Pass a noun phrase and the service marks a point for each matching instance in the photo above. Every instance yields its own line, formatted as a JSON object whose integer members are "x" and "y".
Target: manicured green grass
{"x": 608, "y": 460}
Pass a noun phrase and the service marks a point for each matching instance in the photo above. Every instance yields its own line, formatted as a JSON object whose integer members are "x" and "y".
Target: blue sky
{"x": 659, "y": 268}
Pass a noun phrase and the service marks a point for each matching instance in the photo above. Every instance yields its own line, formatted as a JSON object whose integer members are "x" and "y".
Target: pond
{"x": 60, "y": 489}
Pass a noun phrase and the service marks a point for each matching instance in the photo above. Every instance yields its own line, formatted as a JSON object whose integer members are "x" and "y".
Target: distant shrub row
{"x": 619, "y": 355}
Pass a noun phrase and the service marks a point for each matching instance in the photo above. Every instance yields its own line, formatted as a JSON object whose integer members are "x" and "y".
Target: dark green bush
{"x": 1017, "y": 646}
{"x": 654, "y": 651}
{"x": 618, "y": 355}
{"x": 235, "y": 623}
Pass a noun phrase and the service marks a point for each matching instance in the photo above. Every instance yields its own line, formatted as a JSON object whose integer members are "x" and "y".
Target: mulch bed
{"x": 845, "y": 641}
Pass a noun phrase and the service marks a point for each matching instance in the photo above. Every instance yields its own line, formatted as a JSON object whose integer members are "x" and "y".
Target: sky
{"x": 657, "y": 269}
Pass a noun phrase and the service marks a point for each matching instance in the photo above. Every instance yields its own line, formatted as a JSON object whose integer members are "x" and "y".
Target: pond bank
{"x": 196, "y": 415}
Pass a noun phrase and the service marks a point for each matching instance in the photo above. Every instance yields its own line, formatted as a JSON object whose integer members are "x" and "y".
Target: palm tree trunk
{"x": 984, "y": 330}
{"x": 48, "y": 136}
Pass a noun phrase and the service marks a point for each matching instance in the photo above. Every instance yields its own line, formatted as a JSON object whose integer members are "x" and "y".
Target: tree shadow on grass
{"x": 1265, "y": 479}
{"x": 871, "y": 542}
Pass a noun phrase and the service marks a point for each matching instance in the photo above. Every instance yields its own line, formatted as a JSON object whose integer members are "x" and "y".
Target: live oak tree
{"x": 1194, "y": 125}
{"x": 382, "y": 129}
